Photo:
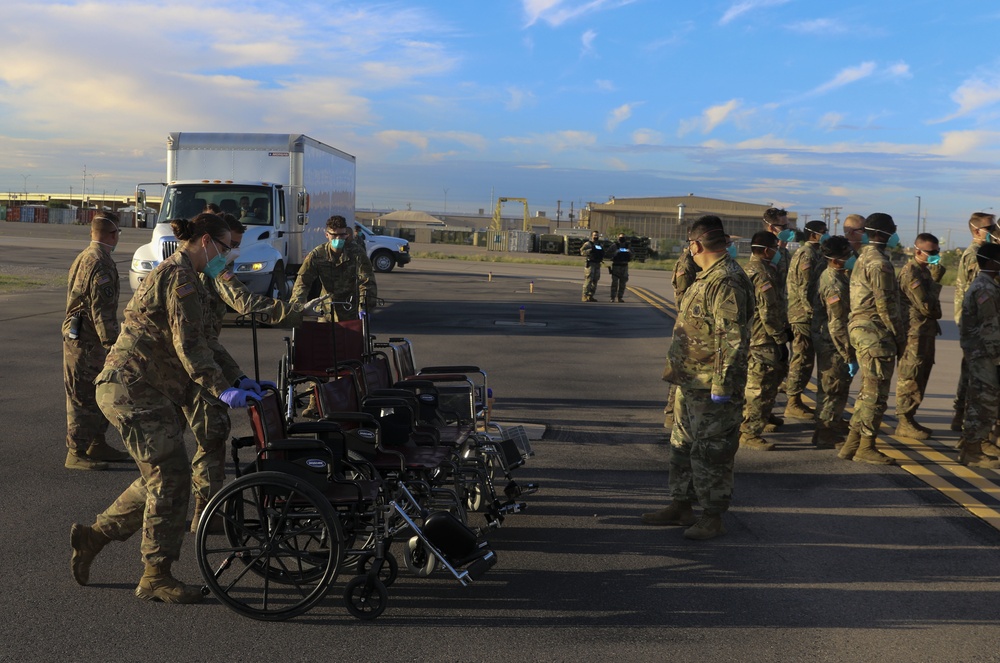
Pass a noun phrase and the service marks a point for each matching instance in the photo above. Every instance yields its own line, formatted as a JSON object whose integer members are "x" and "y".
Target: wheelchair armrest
{"x": 355, "y": 417}
{"x": 449, "y": 369}
{"x": 313, "y": 427}
{"x": 296, "y": 444}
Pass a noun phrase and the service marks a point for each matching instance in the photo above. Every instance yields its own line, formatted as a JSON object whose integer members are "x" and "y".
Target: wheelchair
{"x": 304, "y": 511}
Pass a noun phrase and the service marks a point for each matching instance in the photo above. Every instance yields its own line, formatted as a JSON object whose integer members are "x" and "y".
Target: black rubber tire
{"x": 366, "y": 598}
{"x": 419, "y": 561}
{"x": 388, "y": 573}
{"x": 383, "y": 261}
{"x": 281, "y": 532}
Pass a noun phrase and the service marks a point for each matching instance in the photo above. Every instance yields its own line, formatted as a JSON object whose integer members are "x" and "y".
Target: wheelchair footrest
{"x": 513, "y": 490}
{"x": 478, "y": 568}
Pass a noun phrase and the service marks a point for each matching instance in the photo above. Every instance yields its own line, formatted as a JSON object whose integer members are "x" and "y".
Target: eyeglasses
{"x": 224, "y": 246}
{"x": 333, "y": 235}
{"x": 929, "y": 253}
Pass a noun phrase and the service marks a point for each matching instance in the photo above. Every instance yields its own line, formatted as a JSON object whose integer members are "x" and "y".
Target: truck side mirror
{"x": 302, "y": 206}
{"x": 140, "y": 208}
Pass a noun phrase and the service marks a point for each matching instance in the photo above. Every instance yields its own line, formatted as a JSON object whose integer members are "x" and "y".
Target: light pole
{"x": 446, "y": 201}
{"x": 918, "y": 215}
{"x": 25, "y": 185}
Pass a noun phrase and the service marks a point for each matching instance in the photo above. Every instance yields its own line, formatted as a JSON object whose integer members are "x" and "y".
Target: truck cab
{"x": 260, "y": 206}
{"x": 384, "y": 252}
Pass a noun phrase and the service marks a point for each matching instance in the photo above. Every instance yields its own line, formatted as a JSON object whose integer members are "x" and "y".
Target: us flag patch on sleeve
{"x": 185, "y": 289}
{"x": 833, "y": 299}
{"x": 914, "y": 285}
{"x": 227, "y": 275}
{"x": 982, "y": 298}
{"x": 765, "y": 287}
{"x": 103, "y": 278}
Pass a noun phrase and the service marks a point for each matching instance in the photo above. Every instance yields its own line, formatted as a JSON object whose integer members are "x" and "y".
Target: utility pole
{"x": 558, "y": 212}
{"x": 918, "y": 214}
{"x": 832, "y": 212}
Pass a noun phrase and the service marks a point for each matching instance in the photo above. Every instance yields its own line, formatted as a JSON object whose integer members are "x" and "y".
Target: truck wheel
{"x": 383, "y": 261}
{"x": 278, "y": 289}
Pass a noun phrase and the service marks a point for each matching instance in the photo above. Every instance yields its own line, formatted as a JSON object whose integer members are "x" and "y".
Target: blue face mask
{"x": 850, "y": 262}
{"x": 731, "y": 250}
{"x": 825, "y": 237}
{"x": 215, "y": 266}
{"x": 337, "y": 244}
{"x": 776, "y": 258}
{"x": 786, "y": 235}
{"x": 893, "y": 241}
{"x": 933, "y": 260}
{"x": 864, "y": 239}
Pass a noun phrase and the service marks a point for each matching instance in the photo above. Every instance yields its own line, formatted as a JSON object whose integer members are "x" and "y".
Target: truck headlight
{"x": 244, "y": 267}
{"x": 404, "y": 248}
{"x": 143, "y": 265}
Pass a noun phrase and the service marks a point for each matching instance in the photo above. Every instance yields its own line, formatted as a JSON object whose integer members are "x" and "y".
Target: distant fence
{"x": 42, "y": 214}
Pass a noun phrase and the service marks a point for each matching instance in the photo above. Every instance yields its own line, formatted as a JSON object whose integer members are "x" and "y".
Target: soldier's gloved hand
{"x": 721, "y": 399}
{"x": 852, "y": 368}
{"x": 268, "y": 383}
{"x": 247, "y": 384}
{"x": 236, "y": 398}
{"x": 783, "y": 353}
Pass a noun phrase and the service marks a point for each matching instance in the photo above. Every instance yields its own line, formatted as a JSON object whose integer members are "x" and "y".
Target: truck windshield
{"x": 250, "y": 204}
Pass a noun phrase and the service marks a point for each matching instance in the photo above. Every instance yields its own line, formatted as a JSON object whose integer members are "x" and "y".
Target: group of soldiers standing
{"x": 164, "y": 369}
{"x": 840, "y": 305}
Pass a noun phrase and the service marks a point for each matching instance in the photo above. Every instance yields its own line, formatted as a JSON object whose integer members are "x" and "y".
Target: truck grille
{"x": 169, "y": 247}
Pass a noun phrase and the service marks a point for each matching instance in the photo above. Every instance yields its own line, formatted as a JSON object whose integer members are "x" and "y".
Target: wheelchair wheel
{"x": 387, "y": 574}
{"x": 286, "y": 539}
{"x": 474, "y": 497}
{"x": 366, "y": 597}
{"x": 419, "y": 561}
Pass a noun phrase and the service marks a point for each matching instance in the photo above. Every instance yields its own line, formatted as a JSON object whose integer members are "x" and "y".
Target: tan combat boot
{"x": 825, "y": 437}
{"x": 907, "y": 427}
{"x": 79, "y": 460}
{"x": 850, "y": 446}
{"x": 840, "y": 426}
{"x": 86, "y": 543}
{"x": 215, "y": 526}
{"x": 796, "y": 409}
{"x": 708, "y": 526}
{"x": 675, "y": 513}
{"x": 971, "y": 454}
{"x": 100, "y": 450}
{"x": 755, "y": 443}
{"x": 158, "y": 585}
{"x": 990, "y": 449}
{"x": 774, "y": 422}
{"x": 867, "y": 453}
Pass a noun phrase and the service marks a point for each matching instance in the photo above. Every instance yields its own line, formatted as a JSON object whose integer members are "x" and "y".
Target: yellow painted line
{"x": 990, "y": 515}
{"x": 663, "y": 305}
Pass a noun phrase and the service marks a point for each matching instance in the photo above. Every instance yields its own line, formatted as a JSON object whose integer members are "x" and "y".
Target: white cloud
{"x": 647, "y": 137}
{"x": 604, "y": 85}
{"x": 831, "y": 121}
{"x": 557, "y": 141}
{"x": 587, "y": 41}
{"x": 393, "y": 138}
{"x": 619, "y": 115}
{"x": 898, "y": 70}
{"x": 557, "y": 12}
{"x": 846, "y": 76}
{"x": 974, "y": 94}
{"x": 819, "y": 26}
{"x": 518, "y": 98}
{"x": 740, "y": 8}
{"x": 710, "y": 118}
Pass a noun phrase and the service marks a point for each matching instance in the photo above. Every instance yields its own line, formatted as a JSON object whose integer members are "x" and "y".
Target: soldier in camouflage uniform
{"x": 207, "y": 417}
{"x": 803, "y": 278}
{"x": 877, "y": 334}
{"x": 921, "y": 302}
{"x": 621, "y": 256}
{"x": 160, "y": 357}
{"x": 344, "y": 271}
{"x": 836, "y": 362}
{"x": 768, "y": 349}
{"x": 593, "y": 251}
{"x": 981, "y": 225}
{"x": 685, "y": 272}
{"x": 776, "y": 223}
{"x": 708, "y": 361}
{"x": 89, "y": 329}
{"x": 854, "y": 231}
{"x": 979, "y": 334}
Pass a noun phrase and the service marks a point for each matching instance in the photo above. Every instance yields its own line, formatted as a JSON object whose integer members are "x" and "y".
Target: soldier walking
{"x": 836, "y": 362}
{"x": 684, "y": 274}
{"x": 593, "y": 251}
{"x": 621, "y": 256}
{"x": 803, "y": 279}
{"x": 343, "y": 270}
{"x": 768, "y": 350}
{"x": 877, "y": 334}
{"x": 707, "y": 360}
{"x": 921, "y": 302}
{"x": 89, "y": 330}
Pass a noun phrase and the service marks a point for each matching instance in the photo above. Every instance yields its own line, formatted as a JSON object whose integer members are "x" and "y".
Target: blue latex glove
{"x": 721, "y": 399}
{"x": 236, "y": 398}
{"x": 247, "y": 384}
{"x": 852, "y": 368}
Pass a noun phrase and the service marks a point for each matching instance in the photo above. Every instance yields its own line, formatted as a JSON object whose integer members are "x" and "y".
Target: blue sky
{"x": 448, "y": 103}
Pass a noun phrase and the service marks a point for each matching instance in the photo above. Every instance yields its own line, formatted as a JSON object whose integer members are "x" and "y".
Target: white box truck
{"x": 283, "y": 187}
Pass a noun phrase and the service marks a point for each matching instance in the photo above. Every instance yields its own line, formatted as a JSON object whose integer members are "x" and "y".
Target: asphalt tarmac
{"x": 824, "y": 560}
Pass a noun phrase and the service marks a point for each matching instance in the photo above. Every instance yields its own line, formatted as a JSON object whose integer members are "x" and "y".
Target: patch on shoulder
{"x": 833, "y": 299}
{"x": 914, "y": 284}
{"x": 185, "y": 289}
{"x": 806, "y": 264}
{"x": 982, "y": 298}
{"x": 103, "y": 278}
{"x": 765, "y": 287}
{"x": 227, "y": 275}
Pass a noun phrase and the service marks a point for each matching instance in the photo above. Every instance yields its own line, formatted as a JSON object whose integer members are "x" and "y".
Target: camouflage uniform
{"x": 968, "y": 268}
{"x": 921, "y": 309}
{"x": 877, "y": 334}
{"x": 708, "y": 356}
{"x": 347, "y": 275}
{"x": 767, "y": 365}
{"x": 803, "y": 279}
{"x": 979, "y": 334}
{"x": 93, "y": 295}
{"x": 619, "y": 270}
{"x": 685, "y": 272}
{"x": 833, "y": 344}
{"x": 594, "y": 253}
{"x": 159, "y": 359}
